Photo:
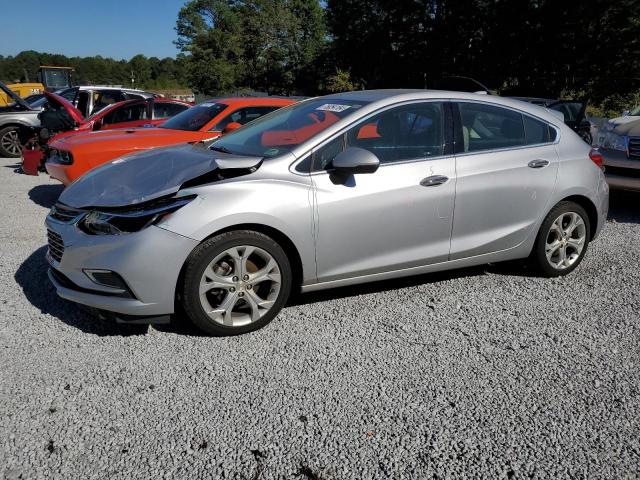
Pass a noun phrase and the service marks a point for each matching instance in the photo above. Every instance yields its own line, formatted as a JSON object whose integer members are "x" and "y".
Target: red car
{"x": 70, "y": 157}
{"x": 63, "y": 119}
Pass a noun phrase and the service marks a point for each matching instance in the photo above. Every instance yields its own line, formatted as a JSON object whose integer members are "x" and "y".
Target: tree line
{"x": 586, "y": 49}
{"x": 147, "y": 73}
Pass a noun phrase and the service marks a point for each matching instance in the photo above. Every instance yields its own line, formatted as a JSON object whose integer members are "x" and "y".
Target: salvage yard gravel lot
{"x": 478, "y": 372}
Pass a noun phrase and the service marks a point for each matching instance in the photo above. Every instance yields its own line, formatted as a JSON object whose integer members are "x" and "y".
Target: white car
{"x": 619, "y": 143}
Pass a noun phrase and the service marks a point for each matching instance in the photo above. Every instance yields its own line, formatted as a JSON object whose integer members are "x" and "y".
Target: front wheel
{"x": 10, "y": 146}
{"x": 235, "y": 282}
{"x": 562, "y": 240}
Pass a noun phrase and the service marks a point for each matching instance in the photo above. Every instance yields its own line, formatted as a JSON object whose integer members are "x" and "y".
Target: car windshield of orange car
{"x": 195, "y": 118}
{"x": 283, "y": 130}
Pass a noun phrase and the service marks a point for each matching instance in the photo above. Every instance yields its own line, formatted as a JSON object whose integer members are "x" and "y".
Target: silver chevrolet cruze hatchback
{"x": 329, "y": 192}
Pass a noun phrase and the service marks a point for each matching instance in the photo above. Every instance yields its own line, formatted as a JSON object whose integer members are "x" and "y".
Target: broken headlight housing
{"x": 122, "y": 221}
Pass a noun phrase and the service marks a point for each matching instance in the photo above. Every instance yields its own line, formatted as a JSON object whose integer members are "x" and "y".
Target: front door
{"x": 401, "y": 215}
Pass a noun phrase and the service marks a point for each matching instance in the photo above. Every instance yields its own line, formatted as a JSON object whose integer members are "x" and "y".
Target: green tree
{"x": 341, "y": 82}
{"x": 268, "y": 45}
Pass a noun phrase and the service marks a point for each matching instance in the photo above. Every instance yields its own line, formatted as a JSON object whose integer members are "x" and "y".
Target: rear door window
{"x": 104, "y": 98}
{"x": 488, "y": 127}
{"x": 130, "y": 113}
{"x": 243, "y": 115}
{"x": 166, "y": 110}
{"x": 535, "y": 131}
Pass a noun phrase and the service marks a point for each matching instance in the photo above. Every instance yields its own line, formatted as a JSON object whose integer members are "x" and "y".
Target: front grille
{"x": 56, "y": 245}
{"x": 64, "y": 214}
{"x": 634, "y": 148}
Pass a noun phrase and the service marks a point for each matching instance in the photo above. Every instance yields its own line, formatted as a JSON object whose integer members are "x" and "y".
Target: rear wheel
{"x": 10, "y": 146}
{"x": 562, "y": 240}
{"x": 235, "y": 282}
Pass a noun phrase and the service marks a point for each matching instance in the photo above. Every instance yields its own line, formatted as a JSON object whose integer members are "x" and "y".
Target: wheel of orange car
{"x": 235, "y": 282}
{"x": 10, "y": 142}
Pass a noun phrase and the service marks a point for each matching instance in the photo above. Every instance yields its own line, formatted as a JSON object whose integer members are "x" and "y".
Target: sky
{"x": 118, "y": 29}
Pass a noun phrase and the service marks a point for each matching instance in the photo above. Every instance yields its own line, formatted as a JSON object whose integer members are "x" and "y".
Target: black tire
{"x": 8, "y": 138}
{"x": 539, "y": 255}
{"x": 201, "y": 258}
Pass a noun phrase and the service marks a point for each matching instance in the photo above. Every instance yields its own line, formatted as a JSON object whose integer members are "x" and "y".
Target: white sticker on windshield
{"x": 333, "y": 107}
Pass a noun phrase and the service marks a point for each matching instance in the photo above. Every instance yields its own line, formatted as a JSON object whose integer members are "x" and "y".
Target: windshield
{"x": 195, "y": 118}
{"x": 635, "y": 111}
{"x": 283, "y": 130}
{"x": 56, "y": 77}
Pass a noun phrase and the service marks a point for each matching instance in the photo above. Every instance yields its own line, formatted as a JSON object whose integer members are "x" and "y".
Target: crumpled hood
{"x": 148, "y": 175}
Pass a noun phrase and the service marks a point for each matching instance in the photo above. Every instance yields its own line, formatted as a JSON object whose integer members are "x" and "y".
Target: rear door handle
{"x": 434, "y": 180}
{"x": 538, "y": 163}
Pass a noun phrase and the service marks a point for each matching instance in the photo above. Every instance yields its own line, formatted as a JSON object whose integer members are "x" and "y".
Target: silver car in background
{"x": 619, "y": 143}
{"x": 332, "y": 191}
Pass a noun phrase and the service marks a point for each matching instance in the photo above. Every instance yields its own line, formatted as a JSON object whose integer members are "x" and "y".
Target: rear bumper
{"x": 621, "y": 172}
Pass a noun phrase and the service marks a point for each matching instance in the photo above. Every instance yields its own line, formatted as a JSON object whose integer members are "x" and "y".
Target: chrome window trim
{"x": 520, "y": 147}
{"x": 311, "y": 149}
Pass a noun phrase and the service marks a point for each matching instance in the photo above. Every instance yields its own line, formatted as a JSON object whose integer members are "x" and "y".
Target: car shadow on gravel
{"x": 46, "y": 195}
{"x": 624, "y": 206}
{"x": 32, "y": 278}
{"x": 386, "y": 285}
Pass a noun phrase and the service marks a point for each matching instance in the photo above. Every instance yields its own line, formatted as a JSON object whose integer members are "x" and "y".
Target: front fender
{"x": 278, "y": 204}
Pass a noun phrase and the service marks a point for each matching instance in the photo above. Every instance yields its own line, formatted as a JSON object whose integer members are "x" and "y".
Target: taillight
{"x": 596, "y": 157}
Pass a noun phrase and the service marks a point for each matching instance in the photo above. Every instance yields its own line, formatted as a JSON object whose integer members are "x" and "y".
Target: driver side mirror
{"x": 355, "y": 160}
{"x": 97, "y": 125}
{"x": 625, "y": 113}
{"x": 231, "y": 127}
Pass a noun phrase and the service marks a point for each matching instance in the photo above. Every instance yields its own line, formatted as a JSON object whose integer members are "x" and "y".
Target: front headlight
{"x": 60, "y": 156}
{"x": 122, "y": 221}
{"x": 613, "y": 141}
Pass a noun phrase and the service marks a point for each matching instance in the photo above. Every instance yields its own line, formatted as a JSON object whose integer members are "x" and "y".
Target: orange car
{"x": 72, "y": 156}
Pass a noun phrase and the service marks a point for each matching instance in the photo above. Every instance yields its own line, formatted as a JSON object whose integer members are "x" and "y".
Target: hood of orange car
{"x": 151, "y": 174}
{"x": 118, "y": 139}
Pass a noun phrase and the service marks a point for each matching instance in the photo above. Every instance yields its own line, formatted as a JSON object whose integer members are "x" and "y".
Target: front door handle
{"x": 434, "y": 180}
{"x": 538, "y": 163}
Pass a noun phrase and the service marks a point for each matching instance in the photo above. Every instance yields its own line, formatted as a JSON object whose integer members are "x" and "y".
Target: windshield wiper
{"x": 219, "y": 148}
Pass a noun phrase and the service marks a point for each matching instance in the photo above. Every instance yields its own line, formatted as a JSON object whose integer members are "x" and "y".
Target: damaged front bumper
{"x": 148, "y": 262}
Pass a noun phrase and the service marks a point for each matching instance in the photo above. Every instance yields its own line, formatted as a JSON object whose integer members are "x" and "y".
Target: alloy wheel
{"x": 565, "y": 240}
{"x": 10, "y": 142}
{"x": 240, "y": 285}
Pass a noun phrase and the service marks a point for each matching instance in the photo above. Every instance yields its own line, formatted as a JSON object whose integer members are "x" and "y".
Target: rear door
{"x": 506, "y": 165}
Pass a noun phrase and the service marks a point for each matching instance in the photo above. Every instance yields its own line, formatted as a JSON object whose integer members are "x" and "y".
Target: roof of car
{"x": 396, "y": 95}
{"x": 110, "y": 87}
{"x": 253, "y": 101}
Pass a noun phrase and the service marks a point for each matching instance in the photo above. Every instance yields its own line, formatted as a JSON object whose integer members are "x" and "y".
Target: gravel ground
{"x": 480, "y": 372}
